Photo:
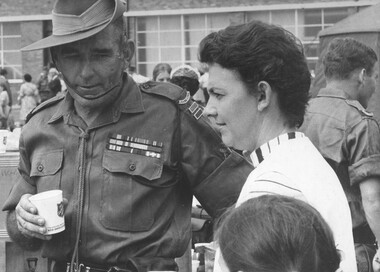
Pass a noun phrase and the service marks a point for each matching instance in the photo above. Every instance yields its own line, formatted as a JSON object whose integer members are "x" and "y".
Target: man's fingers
{"x": 31, "y": 230}
{"x": 26, "y": 215}
{"x": 26, "y": 205}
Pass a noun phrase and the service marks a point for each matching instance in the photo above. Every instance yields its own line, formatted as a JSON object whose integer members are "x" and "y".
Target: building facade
{"x": 168, "y": 31}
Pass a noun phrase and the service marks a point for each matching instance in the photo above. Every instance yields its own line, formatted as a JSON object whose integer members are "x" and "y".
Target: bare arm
{"x": 370, "y": 192}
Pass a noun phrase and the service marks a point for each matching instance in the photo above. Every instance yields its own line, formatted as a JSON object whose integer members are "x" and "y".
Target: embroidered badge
{"x": 134, "y": 145}
{"x": 185, "y": 100}
{"x": 60, "y": 209}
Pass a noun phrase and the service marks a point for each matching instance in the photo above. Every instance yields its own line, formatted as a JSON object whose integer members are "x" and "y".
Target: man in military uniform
{"x": 348, "y": 136}
{"x": 127, "y": 158}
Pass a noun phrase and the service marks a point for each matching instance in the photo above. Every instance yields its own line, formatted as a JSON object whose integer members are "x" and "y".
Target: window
{"x": 10, "y": 44}
{"x": 175, "y": 38}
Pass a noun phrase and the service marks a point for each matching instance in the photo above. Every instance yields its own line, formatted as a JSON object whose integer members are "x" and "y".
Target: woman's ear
{"x": 264, "y": 95}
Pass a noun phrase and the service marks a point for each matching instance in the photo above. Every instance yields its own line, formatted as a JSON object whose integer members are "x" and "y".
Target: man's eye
{"x": 70, "y": 55}
{"x": 101, "y": 55}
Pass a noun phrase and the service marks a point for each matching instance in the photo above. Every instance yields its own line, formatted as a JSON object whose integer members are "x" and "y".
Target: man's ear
{"x": 362, "y": 75}
{"x": 129, "y": 50}
{"x": 264, "y": 95}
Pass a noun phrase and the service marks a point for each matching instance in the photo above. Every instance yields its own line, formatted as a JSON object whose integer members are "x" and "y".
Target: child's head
{"x": 2, "y": 87}
{"x": 275, "y": 233}
{"x": 27, "y": 78}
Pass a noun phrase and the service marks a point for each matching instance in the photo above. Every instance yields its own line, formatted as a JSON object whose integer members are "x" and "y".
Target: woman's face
{"x": 163, "y": 77}
{"x": 232, "y": 109}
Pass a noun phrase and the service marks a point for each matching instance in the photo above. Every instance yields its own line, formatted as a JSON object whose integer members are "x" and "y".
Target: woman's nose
{"x": 209, "y": 110}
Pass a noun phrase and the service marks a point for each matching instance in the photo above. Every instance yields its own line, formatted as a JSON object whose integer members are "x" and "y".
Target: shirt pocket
{"x": 46, "y": 169}
{"x": 129, "y": 182}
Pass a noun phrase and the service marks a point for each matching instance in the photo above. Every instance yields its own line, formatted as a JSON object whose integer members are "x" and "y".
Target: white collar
{"x": 258, "y": 155}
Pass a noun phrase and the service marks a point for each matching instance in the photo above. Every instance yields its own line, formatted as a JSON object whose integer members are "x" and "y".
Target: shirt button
{"x": 40, "y": 167}
{"x": 132, "y": 167}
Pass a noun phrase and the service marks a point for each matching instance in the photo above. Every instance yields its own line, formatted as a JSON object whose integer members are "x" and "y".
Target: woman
{"x": 259, "y": 88}
{"x": 277, "y": 234}
{"x": 28, "y": 97}
{"x": 161, "y": 72}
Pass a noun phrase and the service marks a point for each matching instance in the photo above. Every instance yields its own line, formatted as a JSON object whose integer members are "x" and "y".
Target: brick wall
{"x": 29, "y": 7}
{"x": 25, "y": 7}
{"x": 184, "y": 4}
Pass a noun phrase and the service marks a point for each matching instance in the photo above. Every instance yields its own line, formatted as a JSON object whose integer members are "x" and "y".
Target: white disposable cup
{"x": 49, "y": 205}
{"x": 194, "y": 265}
{"x": 3, "y": 140}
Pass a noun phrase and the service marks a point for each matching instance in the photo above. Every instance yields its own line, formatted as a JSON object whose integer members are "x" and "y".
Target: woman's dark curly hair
{"x": 261, "y": 52}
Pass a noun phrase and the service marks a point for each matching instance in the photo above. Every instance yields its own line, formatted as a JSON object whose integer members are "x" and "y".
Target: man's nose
{"x": 86, "y": 68}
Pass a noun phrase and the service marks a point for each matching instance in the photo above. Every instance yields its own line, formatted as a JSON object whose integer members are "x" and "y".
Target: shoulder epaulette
{"x": 356, "y": 104}
{"x": 171, "y": 91}
{"x": 175, "y": 93}
{"x": 44, "y": 105}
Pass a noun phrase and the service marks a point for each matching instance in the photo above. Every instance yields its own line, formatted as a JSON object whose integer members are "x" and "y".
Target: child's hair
{"x": 161, "y": 67}
{"x": 27, "y": 77}
{"x": 277, "y": 234}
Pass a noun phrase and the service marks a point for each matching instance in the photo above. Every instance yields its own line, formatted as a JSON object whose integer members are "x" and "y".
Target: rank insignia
{"x": 196, "y": 110}
{"x": 135, "y": 145}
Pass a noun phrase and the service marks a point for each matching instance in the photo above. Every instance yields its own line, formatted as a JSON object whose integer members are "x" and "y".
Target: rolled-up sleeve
{"x": 24, "y": 184}
{"x": 215, "y": 173}
{"x": 364, "y": 144}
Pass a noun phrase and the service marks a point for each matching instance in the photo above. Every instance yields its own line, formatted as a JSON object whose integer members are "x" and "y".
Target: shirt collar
{"x": 129, "y": 102}
{"x": 258, "y": 155}
{"x": 332, "y": 92}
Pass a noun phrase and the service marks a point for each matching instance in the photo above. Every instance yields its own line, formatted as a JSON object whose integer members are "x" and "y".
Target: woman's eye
{"x": 215, "y": 94}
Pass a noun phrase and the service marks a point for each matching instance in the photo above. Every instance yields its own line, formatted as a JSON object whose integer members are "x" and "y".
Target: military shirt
{"x": 348, "y": 137}
{"x": 141, "y": 161}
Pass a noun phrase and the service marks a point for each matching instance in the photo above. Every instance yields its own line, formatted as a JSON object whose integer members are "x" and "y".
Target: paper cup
{"x": 50, "y": 206}
{"x": 194, "y": 265}
{"x": 3, "y": 140}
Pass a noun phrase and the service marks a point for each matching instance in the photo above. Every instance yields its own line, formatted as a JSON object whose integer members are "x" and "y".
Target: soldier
{"x": 348, "y": 136}
{"x": 128, "y": 158}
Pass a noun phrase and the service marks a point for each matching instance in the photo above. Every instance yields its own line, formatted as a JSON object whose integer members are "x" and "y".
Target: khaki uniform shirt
{"x": 348, "y": 138}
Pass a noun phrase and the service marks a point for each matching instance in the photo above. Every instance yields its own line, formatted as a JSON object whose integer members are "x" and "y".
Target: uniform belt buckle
{"x": 80, "y": 268}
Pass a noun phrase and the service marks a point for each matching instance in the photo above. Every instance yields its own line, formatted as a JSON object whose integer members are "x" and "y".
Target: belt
{"x": 134, "y": 264}
{"x": 86, "y": 268}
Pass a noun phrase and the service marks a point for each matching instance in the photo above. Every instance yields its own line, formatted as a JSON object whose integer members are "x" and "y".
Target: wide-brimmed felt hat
{"x": 74, "y": 20}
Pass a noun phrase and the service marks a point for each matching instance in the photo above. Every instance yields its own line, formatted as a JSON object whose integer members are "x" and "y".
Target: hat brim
{"x": 55, "y": 40}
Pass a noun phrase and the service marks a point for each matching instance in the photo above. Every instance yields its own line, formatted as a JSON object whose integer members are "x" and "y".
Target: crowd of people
{"x": 293, "y": 183}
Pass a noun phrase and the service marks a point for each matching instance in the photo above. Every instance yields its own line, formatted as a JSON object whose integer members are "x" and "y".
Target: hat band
{"x": 98, "y": 14}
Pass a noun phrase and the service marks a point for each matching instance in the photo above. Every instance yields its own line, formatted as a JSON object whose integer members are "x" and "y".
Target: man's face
{"x": 93, "y": 68}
